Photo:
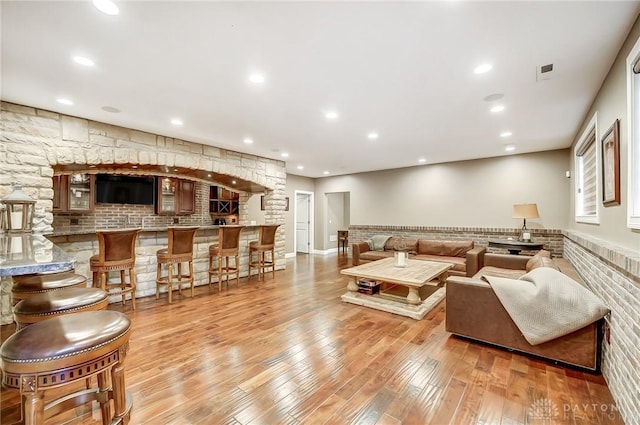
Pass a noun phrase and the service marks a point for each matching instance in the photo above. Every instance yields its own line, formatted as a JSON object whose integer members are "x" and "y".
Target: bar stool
{"x": 116, "y": 252}
{"x": 48, "y": 305}
{"x": 228, "y": 246}
{"x": 265, "y": 243}
{"x": 180, "y": 250}
{"x": 26, "y": 286}
{"x": 65, "y": 350}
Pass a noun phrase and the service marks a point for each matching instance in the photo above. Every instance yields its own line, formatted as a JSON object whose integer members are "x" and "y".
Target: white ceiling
{"x": 401, "y": 69}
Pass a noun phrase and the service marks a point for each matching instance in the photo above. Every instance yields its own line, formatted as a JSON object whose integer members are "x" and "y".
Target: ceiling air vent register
{"x": 544, "y": 72}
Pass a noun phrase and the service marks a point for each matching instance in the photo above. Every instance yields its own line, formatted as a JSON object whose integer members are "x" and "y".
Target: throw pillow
{"x": 537, "y": 261}
{"x": 379, "y": 241}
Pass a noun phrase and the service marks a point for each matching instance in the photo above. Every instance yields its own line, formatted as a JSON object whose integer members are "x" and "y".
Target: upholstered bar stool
{"x": 64, "y": 350}
{"x": 264, "y": 244}
{"x": 179, "y": 251}
{"x": 116, "y": 252}
{"x": 228, "y": 247}
{"x": 29, "y": 285}
{"x": 52, "y": 304}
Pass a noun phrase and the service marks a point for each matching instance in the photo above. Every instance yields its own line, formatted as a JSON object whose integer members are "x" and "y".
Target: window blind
{"x": 588, "y": 189}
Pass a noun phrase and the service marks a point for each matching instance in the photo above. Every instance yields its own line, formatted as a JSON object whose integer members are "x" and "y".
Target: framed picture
{"x": 262, "y": 206}
{"x": 286, "y": 203}
{"x": 611, "y": 165}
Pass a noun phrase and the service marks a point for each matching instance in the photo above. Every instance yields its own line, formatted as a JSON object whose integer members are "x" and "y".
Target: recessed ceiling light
{"x": 134, "y": 166}
{"x": 111, "y": 109}
{"x": 106, "y": 6}
{"x": 208, "y": 175}
{"x": 65, "y": 101}
{"x": 256, "y": 78}
{"x": 331, "y": 115}
{"x": 177, "y": 121}
{"x": 325, "y": 173}
{"x": 493, "y": 97}
{"x": 481, "y": 69}
{"x": 300, "y": 167}
{"x": 248, "y": 141}
{"x": 233, "y": 182}
{"x": 284, "y": 155}
{"x": 372, "y": 136}
{"x": 83, "y": 61}
{"x": 506, "y": 134}
{"x": 497, "y": 108}
{"x": 422, "y": 160}
{"x": 509, "y": 148}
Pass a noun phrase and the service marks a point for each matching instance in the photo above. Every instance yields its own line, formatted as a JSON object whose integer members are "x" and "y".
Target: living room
{"x": 445, "y": 199}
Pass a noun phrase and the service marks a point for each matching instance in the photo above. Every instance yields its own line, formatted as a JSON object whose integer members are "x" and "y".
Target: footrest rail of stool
{"x": 73, "y": 400}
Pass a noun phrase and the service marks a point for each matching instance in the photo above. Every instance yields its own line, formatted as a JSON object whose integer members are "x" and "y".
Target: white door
{"x": 302, "y": 222}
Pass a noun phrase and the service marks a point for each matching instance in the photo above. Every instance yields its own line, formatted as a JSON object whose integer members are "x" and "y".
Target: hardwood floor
{"x": 289, "y": 351}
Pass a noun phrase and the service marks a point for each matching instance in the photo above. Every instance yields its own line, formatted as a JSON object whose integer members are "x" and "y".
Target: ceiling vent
{"x": 544, "y": 72}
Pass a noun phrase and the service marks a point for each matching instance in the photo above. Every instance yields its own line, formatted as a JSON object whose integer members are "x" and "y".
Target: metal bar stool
{"x": 180, "y": 250}
{"x": 116, "y": 252}
{"x": 26, "y": 286}
{"x": 265, "y": 243}
{"x": 48, "y": 305}
{"x": 228, "y": 246}
{"x": 65, "y": 350}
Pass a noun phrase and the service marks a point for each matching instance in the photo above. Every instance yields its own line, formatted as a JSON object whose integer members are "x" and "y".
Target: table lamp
{"x": 525, "y": 211}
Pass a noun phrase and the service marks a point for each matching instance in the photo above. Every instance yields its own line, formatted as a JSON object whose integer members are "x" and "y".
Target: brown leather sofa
{"x": 474, "y": 311}
{"x": 465, "y": 258}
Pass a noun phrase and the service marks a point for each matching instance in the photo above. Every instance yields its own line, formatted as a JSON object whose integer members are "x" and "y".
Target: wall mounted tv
{"x": 117, "y": 189}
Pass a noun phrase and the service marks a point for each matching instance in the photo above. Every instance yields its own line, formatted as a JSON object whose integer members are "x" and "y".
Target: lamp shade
{"x": 525, "y": 211}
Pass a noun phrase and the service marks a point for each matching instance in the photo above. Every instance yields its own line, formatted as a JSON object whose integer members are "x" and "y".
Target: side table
{"x": 515, "y": 246}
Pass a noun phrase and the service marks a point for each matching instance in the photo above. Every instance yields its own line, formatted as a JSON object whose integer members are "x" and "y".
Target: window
{"x": 586, "y": 172}
{"x": 633, "y": 114}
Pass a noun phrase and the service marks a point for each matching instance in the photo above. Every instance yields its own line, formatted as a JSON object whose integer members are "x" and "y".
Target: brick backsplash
{"x": 109, "y": 216}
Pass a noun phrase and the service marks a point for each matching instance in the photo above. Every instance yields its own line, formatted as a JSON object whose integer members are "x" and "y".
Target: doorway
{"x": 303, "y": 239}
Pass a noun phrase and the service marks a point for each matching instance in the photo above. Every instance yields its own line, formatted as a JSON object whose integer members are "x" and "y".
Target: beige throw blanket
{"x": 546, "y": 304}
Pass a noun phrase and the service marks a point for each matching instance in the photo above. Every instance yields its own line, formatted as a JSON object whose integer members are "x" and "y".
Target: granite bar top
{"x": 31, "y": 253}
{"x": 147, "y": 229}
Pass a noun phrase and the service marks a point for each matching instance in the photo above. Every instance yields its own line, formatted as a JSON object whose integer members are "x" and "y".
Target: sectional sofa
{"x": 465, "y": 258}
{"x": 474, "y": 311}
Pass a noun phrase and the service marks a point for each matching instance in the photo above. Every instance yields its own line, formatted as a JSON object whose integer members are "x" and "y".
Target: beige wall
{"x": 611, "y": 103}
{"x": 478, "y": 193}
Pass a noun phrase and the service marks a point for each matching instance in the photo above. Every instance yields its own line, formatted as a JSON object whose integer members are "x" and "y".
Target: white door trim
{"x": 311, "y": 219}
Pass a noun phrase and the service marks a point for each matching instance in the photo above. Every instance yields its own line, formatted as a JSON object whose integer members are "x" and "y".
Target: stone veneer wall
{"x": 33, "y": 140}
{"x": 552, "y": 238}
{"x": 613, "y": 274}
{"x": 82, "y": 247}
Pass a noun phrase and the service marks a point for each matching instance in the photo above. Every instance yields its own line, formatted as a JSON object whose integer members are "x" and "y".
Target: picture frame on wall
{"x": 610, "y": 145}
{"x": 262, "y": 205}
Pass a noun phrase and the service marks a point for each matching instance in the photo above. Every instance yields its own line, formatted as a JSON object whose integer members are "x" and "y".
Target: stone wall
{"x": 552, "y": 238}
{"x": 613, "y": 274}
{"x": 34, "y": 140}
{"x": 82, "y": 247}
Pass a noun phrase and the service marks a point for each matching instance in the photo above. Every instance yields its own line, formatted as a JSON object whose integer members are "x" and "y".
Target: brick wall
{"x": 109, "y": 216}
{"x": 552, "y": 238}
{"x": 613, "y": 274}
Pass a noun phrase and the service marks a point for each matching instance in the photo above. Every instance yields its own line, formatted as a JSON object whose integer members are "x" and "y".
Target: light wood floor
{"x": 288, "y": 351}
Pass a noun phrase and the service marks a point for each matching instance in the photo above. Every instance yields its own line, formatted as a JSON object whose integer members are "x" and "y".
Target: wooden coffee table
{"x": 422, "y": 281}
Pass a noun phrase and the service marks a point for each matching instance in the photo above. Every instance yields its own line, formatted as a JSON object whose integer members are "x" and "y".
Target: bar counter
{"x": 25, "y": 254}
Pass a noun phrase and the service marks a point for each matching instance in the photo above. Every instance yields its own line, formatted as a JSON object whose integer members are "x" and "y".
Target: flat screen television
{"x": 117, "y": 189}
